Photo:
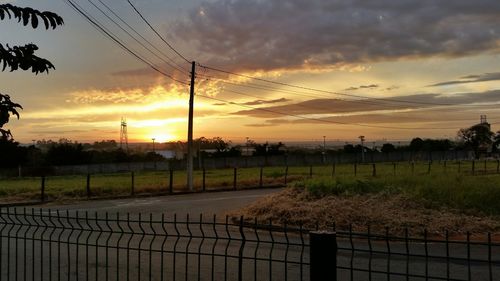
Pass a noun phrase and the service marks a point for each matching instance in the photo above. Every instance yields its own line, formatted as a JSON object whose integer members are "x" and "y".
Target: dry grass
{"x": 397, "y": 212}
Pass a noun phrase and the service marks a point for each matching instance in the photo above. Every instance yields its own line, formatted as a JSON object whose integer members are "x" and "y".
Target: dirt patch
{"x": 379, "y": 211}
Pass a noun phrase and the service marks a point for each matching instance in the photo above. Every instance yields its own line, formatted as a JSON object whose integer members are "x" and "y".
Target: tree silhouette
{"x": 22, "y": 57}
{"x": 478, "y": 137}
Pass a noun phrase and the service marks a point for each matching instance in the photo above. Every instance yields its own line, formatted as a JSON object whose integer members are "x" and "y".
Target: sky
{"x": 387, "y": 69}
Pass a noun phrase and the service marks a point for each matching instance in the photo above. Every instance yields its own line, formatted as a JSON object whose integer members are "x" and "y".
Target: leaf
{"x": 53, "y": 22}
{"x": 45, "y": 21}
{"x": 34, "y": 22}
{"x": 26, "y": 18}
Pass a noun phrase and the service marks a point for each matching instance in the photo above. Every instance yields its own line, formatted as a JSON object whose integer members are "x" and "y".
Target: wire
{"x": 324, "y": 120}
{"x": 322, "y": 91}
{"x": 297, "y": 93}
{"x": 156, "y": 32}
{"x": 98, "y": 25}
{"x": 179, "y": 67}
{"x": 133, "y": 37}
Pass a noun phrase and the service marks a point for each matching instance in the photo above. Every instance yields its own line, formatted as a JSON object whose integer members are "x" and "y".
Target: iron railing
{"x": 369, "y": 256}
{"x": 53, "y": 245}
{"x": 43, "y": 244}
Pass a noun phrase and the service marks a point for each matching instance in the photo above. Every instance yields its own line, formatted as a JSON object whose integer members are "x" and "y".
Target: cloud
{"x": 448, "y": 118}
{"x": 260, "y": 102}
{"x": 127, "y": 95}
{"x": 367, "y": 106}
{"x": 261, "y": 125}
{"x": 391, "y": 88}
{"x": 276, "y": 34}
{"x": 362, "y": 87}
{"x": 485, "y": 77}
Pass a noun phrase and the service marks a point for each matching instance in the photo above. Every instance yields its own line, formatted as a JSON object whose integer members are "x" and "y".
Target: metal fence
{"x": 50, "y": 245}
{"x": 369, "y": 256}
{"x": 53, "y": 245}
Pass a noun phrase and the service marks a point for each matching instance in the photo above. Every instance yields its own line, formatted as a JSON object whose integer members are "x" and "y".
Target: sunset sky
{"x": 385, "y": 69}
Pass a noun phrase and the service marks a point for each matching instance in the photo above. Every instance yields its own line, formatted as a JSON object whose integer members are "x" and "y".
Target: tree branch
{"x": 28, "y": 15}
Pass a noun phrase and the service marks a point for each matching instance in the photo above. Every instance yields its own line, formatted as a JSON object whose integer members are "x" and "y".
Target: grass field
{"x": 446, "y": 183}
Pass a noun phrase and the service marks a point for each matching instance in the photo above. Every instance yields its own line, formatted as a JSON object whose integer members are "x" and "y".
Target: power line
{"x": 156, "y": 32}
{"x": 297, "y": 93}
{"x": 133, "y": 37}
{"x": 324, "y": 120}
{"x": 323, "y": 91}
{"x": 383, "y": 105}
{"x": 179, "y": 67}
{"x": 324, "y": 108}
{"x": 99, "y": 26}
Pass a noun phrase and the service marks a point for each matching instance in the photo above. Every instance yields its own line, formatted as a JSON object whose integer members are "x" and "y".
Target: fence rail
{"x": 44, "y": 244}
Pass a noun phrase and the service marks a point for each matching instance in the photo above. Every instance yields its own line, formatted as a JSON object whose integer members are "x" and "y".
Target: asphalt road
{"x": 208, "y": 204}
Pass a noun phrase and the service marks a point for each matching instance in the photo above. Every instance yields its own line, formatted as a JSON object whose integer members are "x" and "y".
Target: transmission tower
{"x": 483, "y": 119}
{"x": 123, "y": 134}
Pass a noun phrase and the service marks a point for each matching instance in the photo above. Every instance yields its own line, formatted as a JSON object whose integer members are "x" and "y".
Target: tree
{"x": 22, "y": 57}
{"x": 477, "y": 137}
{"x": 12, "y": 153}
{"x": 416, "y": 144}
{"x": 388, "y": 147}
{"x": 496, "y": 141}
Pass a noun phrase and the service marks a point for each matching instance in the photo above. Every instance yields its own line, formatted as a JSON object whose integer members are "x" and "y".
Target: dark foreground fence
{"x": 51, "y": 245}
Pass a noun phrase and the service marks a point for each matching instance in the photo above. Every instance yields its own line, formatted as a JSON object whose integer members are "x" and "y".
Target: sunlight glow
{"x": 162, "y": 137}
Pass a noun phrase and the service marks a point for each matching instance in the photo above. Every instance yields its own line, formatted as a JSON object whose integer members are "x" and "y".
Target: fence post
{"x": 445, "y": 166}
{"x": 261, "y": 174}
{"x": 429, "y": 167}
{"x": 355, "y": 169}
{"x": 473, "y": 167}
{"x": 412, "y": 168}
{"x": 485, "y": 166}
{"x": 286, "y": 174}
{"x": 88, "y": 186}
{"x": 310, "y": 172}
{"x": 42, "y": 190}
{"x": 203, "y": 187}
{"x": 171, "y": 182}
{"x": 235, "y": 174}
{"x": 323, "y": 255}
{"x": 374, "y": 170}
{"x": 132, "y": 183}
{"x": 394, "y": 167}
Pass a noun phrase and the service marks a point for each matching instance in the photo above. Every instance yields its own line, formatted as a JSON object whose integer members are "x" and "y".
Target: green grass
{"x": 464, "y": 192}
{"x": 450, "y": 185}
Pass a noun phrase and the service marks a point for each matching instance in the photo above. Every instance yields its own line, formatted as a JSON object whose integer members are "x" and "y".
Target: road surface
{"x": 208, "y": 204}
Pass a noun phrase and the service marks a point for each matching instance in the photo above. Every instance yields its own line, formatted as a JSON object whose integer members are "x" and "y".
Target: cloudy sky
{"x": 388, "y": 69}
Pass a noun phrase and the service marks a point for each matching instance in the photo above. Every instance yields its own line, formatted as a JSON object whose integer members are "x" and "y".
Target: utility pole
{"x": 154, "y": 156}
{"x": 362, "y": 138}
{"x": 190, "y": 131}
{"x": 247, "y": 154}
{"x": 324, "y": 149}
